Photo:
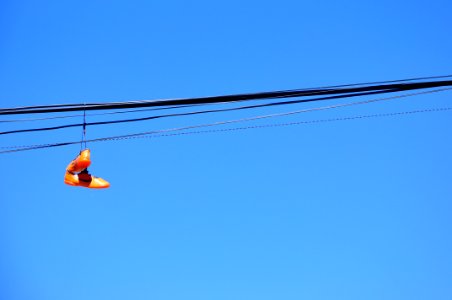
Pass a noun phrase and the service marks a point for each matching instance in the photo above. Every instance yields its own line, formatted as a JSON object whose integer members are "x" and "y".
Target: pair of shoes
{"x": 77, "y": 173}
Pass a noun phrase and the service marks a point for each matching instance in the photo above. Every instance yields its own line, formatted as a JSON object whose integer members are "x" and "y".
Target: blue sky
{"x": 340, "y": 210}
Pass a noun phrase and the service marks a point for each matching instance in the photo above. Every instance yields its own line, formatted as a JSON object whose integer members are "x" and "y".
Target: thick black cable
{"x": 308, "y": 89}
{"x": 93, "y": 115}
{"x": 227, "y": 98}
{"x": 387, "y": 81}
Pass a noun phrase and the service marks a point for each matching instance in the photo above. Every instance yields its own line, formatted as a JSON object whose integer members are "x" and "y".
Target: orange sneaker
{"x": 85, "y": 179}
{"x": 80, "y": 163}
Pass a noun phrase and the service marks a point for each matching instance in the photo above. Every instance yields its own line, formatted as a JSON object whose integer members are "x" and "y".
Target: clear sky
{"x": 343, "y": 210}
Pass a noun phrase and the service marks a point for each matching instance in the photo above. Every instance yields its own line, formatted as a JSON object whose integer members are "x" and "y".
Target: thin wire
{"x": 42, "y": 146}
{"x": 442, "y": 109}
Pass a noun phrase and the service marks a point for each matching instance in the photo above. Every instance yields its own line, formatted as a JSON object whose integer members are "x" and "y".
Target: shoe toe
{"x": 99, "y": 183}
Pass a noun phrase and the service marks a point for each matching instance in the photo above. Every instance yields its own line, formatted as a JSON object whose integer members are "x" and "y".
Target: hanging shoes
{"x": 77, "y": 173}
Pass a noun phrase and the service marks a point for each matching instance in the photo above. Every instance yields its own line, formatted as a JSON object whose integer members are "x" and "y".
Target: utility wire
{"x": 192, "y": 113}
{"x": 173, "y": 107}
{"x": 222, "y": 99}
{"x": 388, "y": 81}
{"x": 32, "y": 147}
{"x": 202, "y": 112}
{"x": 92, "y": 115}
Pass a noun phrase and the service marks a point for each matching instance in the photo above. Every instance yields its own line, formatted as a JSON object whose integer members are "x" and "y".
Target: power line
{"x": 391, "y": 81}
{"x": 92, "y": 115}
{"x": 223, "y": 99}
{"x": 190, "y": 113}
{"x": 171, "y": 130}
{"x": 173, "y": 107}
{"x": 212, "y": 111}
